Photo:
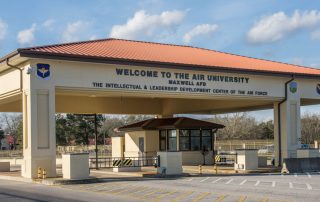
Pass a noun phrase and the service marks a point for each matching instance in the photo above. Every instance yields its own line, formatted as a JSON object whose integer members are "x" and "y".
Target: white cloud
{"x": 278, "y": 25}
{"x": 26, "y": 37}
{"x": 315, "y": 65}
{"x": 315, "y": 34}
{"x": 93, "y": 37}
{"x": 48, "y": 24}
{"x": 143, "y": 24}
{"x": 3, "y": 29}
{"x": 203, "y": 29}
{"x": 74, "y": 31}
{"x": 297, "y": 61}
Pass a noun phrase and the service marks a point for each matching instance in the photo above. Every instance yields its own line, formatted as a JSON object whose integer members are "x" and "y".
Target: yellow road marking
{"x": 242, "y": 198}
{"x": 110, "y": 185}
{"x": 121, "y": 189}
{"x": 265, "y": 200}
{"x": 165, "y": 195}
{"x": 150, "y": 193}
{"x": 183, "y": 195}
{"x": 133, "y": 188}
{"x": 113, "y": 188}
{"x": 221, "y": 197}
{"x": 200, "y": 197}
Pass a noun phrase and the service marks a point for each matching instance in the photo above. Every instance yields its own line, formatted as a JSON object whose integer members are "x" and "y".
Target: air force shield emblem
{"x": 318, "y": 88}
{"x": 43, "y": 71}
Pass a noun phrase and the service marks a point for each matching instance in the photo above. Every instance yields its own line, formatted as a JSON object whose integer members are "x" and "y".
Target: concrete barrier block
{"x": 75, "y": 166}
{"x": 262, "y": 161}
{"x": 298, "y": 165}
{"x": 171, "y": 161}
{"x": 4, "y": 166}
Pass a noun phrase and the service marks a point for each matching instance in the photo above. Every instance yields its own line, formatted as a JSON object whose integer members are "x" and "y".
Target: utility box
{"x": 308, "y": 153}
{"x": 247, "y": 159}
{"x": 75, "y": 166}
{"x": 170, "y": 163}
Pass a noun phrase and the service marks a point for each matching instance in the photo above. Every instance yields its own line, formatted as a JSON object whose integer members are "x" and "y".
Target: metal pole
{"x": 96, "y": 138}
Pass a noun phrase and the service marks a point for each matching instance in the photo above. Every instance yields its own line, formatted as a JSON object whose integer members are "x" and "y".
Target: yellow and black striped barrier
{"x": 127, "y": 162}
{"x": 122, "y": 163}
{"x": 217, "y": 158}
{"x": 116, "y": 163}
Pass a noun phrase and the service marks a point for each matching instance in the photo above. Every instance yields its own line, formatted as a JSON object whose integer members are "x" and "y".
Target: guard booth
{"x": 193, "y": 138}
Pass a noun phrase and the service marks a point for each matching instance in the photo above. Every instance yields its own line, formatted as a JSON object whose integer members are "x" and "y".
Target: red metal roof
{"x": 119, "y": 49}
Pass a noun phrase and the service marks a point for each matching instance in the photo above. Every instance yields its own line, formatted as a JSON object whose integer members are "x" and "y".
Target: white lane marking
{"x": 257, "y": 183}
{"x": 244, "y": 181}
{"x": 295, "y": 175}
{"x": 290, "y": 185}
{"x": 229, "y": 181}
{"x": 309, "y": 176}
{"x": 308, "y": 186}
{"x": 190, "y": 179}
{"x": 215, "y": 181}
{"x": 273, "y": 183}
{"x": 205, "y": 179}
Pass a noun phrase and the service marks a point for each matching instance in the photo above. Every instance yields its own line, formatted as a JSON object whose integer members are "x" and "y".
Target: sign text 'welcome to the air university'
{"x": 179, "y": 82}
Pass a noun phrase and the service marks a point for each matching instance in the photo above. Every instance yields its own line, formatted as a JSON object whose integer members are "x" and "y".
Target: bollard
{"x": 39, "y": 172}
{"x": 200, "y": 169}
{"x": 44, "y": 174}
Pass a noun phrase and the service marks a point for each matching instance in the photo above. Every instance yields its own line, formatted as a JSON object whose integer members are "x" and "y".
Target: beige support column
{"x": 39, "y": 136}
{"x": 290, "y": 124}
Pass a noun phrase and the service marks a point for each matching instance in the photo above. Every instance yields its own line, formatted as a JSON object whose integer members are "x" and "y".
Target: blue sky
{"x": 286, "y": 31}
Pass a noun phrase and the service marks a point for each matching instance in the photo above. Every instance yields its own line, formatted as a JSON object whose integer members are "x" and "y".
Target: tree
{"x": 79, "y": 128}
{"x": 13, "y": 126}
{"x": 238, "y": 126}
{"x": 1, "y": 137}
{"x": 310, "y": 128}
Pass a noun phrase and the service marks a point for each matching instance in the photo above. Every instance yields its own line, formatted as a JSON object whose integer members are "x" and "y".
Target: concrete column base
{"x": 29, "y": 168}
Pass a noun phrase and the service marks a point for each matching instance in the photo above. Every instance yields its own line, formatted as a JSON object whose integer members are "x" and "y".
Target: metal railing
{"x": 110, "y": 162}
{"x": 11, "y": 154}
{"x": 225, "y": 158}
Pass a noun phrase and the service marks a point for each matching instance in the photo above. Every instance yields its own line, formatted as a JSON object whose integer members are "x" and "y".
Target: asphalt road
{"x": 269, "y": 187}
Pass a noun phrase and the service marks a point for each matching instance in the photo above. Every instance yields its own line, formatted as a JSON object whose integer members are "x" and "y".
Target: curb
{"x": 49, "y": 181}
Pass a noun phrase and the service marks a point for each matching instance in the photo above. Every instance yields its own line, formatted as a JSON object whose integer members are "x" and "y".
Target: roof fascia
{"x": 118, "y": 61}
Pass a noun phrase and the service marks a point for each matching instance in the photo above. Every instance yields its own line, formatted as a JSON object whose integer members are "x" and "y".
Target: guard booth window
{"x": 163, "y": 140}
{"x": 172, "y": 140}
{"x": 184, "y": 140}
{"x": 195, "y": 140}
{"x": 206, "y": 139}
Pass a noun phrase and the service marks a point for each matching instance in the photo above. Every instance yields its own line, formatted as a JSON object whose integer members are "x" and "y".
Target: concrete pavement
{"x": 251, "y": 187}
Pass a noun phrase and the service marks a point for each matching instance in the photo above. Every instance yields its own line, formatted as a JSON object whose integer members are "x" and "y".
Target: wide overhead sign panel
{"x": 162, "y": 81}
{"x": 180, "y": 81}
